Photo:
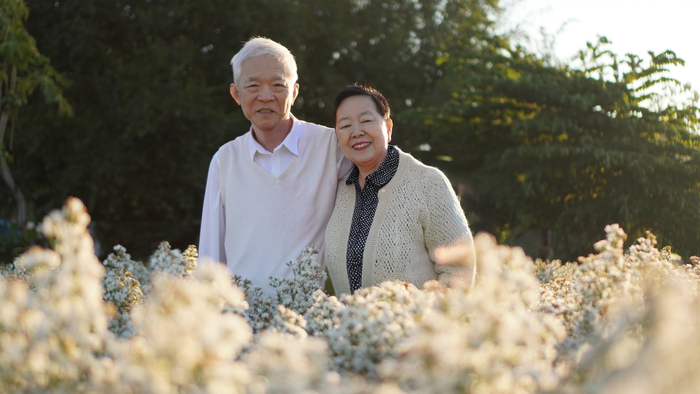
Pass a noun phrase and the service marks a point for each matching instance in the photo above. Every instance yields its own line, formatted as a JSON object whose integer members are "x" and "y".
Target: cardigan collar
{"x": 384, "y": 173}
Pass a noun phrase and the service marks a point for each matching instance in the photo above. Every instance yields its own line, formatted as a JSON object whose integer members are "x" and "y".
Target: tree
{"x": 150, "y": 82}
{"x": 22, "y": 71}
{"x": 567, "y": 150}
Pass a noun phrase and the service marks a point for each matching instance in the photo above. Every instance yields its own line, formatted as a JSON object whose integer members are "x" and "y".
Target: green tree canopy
{"x": 150, "y": 92}
{"x": 565, "y": 150}
{"x": 532, "y": 147}
{"x": 22, "y": 71}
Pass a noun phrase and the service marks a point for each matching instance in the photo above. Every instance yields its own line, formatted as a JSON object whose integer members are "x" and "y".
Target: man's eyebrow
{"x": 277, "y": 76}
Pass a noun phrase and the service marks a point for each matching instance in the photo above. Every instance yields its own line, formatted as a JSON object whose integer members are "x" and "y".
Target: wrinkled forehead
{"x": 264, "y": 65}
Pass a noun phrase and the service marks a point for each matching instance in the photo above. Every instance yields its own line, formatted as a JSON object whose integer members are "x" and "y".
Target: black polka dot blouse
{"x": 366, "y": 201}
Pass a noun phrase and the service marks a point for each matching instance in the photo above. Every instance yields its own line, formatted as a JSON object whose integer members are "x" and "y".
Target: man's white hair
{"x": 264, "y": 46}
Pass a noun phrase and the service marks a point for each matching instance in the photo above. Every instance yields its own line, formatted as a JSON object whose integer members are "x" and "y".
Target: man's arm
{"x": 212, "y": 233}
{"x": 343, "y": 165}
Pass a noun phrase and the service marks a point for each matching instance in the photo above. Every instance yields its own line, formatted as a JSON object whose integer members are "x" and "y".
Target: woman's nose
{"x": 357, "y": 131}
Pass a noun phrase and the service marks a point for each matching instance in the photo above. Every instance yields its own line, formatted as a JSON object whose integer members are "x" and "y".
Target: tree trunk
{"x": 4, "y": 167}
{"x": 19, "y": 197}
{"x": 546, "y": 251}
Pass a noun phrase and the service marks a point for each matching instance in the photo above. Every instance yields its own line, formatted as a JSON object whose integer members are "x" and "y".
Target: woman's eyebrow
{"x": 367, "y": 112}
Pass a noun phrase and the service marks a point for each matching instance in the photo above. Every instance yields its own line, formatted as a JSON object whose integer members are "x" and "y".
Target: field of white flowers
{"x": 619, "y": 321}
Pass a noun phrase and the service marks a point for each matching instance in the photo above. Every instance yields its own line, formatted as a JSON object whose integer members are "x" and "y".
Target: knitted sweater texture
{"x": 270, "y": 220}
{"x": 419, "y": 232}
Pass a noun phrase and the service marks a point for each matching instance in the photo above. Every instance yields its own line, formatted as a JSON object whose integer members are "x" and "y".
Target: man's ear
{"x": 234, "y": 93}
{"x": 389, "y": 128}
{"x": 295, "y": 92}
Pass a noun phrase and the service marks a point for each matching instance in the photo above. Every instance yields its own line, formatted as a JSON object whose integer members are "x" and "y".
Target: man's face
{"x": 265, "y": 92}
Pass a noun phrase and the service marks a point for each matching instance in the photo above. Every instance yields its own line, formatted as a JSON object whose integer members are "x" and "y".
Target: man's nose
{"x": 266, "y": 94}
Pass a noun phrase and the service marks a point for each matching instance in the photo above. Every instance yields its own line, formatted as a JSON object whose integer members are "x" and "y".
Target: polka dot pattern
{"x": 418, "y": 213}
{"x": 366, "y": 200}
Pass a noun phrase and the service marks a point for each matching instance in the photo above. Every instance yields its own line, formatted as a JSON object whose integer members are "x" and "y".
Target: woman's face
{"x": 362, "y": 133}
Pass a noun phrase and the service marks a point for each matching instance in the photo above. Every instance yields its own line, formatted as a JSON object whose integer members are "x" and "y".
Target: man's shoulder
{"x": 314, "y": 128}
{"x": 317, "y": 136}
{"x": 236, "y": 143}
{"x": 232, "y": 148}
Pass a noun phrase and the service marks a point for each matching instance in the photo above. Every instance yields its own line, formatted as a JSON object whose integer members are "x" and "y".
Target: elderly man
{"x": 270, "y": 192}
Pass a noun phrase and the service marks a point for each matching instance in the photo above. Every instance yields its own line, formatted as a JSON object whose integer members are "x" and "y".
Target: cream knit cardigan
{"x": 419, "y": 232}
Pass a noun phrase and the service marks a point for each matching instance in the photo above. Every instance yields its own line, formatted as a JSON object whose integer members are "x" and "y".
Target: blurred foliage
{"x": 23, "y": 70}
{"x": 14, "y": 242}
{"x": 531, "y": 147}
{"x": 563, "y": 151}
{"x": 150, "y": 91}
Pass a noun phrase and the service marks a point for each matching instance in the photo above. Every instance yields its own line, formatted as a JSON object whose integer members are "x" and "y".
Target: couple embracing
{"x": 375, "y": 212}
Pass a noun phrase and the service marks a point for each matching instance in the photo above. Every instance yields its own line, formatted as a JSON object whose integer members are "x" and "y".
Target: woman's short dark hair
{"x": 360, "y": 90}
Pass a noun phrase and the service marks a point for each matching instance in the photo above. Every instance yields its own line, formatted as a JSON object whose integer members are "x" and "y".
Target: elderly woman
{"x": 394, "y": 217}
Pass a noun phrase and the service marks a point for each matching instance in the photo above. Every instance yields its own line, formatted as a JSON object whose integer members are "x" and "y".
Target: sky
{"x": 633, "y": 26}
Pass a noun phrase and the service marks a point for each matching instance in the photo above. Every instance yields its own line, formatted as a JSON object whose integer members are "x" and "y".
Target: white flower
{"x": 183, "y": 340}
{"x": 172, "y": 261}
{"x": 121, "y": 290}
{"x": 618, "y": 321}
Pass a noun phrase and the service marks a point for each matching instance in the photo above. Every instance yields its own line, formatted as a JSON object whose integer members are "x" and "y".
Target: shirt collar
{"x": 384, "y": 173}
{"x": 291, "y": 142}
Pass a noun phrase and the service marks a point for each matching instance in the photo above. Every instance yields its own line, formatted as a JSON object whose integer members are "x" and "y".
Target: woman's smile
{"x": 362, "y": 133}
{"x": 361, "y": 145}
